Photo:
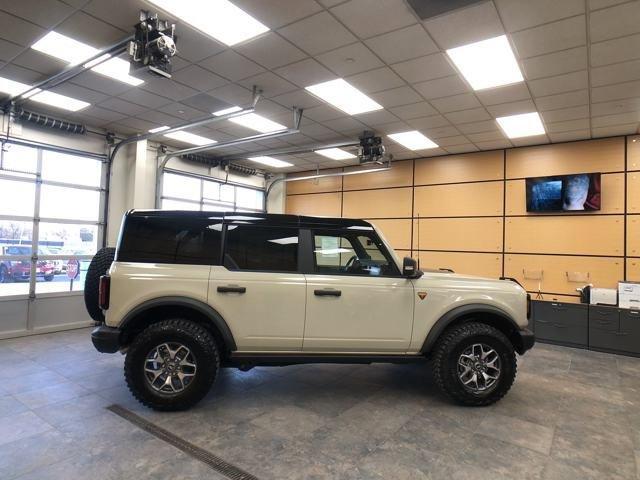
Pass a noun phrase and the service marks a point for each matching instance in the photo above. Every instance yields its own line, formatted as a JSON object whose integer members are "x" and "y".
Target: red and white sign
{"x": 73, "y": 269}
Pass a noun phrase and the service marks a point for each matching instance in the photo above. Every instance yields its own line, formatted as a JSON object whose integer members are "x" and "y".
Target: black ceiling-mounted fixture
{"x": 371, "y": 149}
{"x": 153, "y": 45}
{"x": 432, "y": 8}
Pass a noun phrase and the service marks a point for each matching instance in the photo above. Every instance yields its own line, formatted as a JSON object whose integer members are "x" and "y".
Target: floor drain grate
{"x": 214, "y": 462}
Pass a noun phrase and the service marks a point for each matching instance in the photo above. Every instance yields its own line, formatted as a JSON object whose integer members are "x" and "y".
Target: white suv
{"x": 186, "y": 293}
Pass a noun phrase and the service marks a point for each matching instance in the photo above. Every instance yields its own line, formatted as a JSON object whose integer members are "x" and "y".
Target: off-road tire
{"x": 99, "y": 265}
{"x": 445, "y": 362}
{"x": 195, "y": 338}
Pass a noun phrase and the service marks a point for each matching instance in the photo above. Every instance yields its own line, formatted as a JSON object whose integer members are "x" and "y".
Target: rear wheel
{"x": 99, "y": 265}
{"x": 171, "y": 365}
{"x": 474, "y": 364}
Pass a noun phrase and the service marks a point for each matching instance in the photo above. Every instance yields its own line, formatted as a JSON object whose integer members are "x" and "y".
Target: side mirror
{"x": 410, "y": 268}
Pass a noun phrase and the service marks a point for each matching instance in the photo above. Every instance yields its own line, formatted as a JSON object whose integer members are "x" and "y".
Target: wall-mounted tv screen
{"x": 565, "y": 193}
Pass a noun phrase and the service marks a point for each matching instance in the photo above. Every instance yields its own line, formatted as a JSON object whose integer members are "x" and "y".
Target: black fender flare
{"x": 175, "y": 301}
{"x": 455, "y": 313}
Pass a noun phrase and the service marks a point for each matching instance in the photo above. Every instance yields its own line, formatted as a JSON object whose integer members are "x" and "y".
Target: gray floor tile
{"x": 50, "y": 395}
{"x": 9, "y": 405}
{"x": 517, "y": 432}
{"x": 22, "y": 425}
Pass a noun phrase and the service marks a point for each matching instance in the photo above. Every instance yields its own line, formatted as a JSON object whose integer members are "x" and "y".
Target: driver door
{"x": 357, "y": 301}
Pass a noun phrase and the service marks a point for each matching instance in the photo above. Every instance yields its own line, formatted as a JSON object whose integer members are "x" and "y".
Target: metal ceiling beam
{"x": 293, "y": 150}
{"x": 232, "y": 143}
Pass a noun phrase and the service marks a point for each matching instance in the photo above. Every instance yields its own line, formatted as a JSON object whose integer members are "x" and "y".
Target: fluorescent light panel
{"x": 488, "y": 63}
{"x": 219, "y": 19}
{"x": 11, "y": 87}
{"x": 74, "y": 52}
{"x": 523, "y": 125}
{"x": 413, "y": 140}
{"x": 271, "y": 162}
{"x": 341, "y": 94}
{"x": 159, "y": 129}
{"x": 257, "y": 122}
{"x": 191, "y": 138}
{"x": 227, "y": 111}
{"x": 335, "y": 153}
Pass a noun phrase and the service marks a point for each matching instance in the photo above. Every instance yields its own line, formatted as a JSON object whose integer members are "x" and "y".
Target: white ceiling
{"x": 580, "y": 59}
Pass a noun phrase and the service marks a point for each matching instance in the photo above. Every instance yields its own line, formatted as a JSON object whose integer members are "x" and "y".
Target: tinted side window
{"x": 250, "y": 247}
{"x": 177, "y": 239}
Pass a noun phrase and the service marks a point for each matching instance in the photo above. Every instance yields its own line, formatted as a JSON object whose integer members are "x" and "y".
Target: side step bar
{"x": 246, "y": 361}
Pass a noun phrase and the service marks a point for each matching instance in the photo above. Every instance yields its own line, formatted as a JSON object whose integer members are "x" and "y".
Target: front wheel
{"x": 474, "y": 364}
{"x": 171, "y": 365}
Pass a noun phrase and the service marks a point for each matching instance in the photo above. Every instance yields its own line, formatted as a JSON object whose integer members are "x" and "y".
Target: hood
{"x": 444, "y": 277}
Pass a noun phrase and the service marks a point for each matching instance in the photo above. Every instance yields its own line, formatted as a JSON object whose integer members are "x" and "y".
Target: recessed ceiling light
{"x": 227, "y": 111}
{"x": 271, "y": 162}
{"x": 74, "y": 52}
{"x": 220, "y": 19}
{"x": 191, "y": 138}
{"x": 12, "y": 88}
{"x": 335, "y": 153}
{"x": 488, "y": 63}
{"x": 257, "y": 122}
{"x": 412, "y": 140}
{"x": 159, "y": 129}
{"x": 344, "y": 96}
{"x": 523, "y": 125}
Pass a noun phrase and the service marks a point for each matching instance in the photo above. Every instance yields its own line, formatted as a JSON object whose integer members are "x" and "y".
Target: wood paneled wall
{"x": 467, "y": 212}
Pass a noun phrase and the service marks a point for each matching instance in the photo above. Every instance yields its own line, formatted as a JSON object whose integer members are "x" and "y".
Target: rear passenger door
{"x": 258, "y": 290}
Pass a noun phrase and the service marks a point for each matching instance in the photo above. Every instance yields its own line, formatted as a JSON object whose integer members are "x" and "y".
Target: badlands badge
{"x": 422, "y": 295}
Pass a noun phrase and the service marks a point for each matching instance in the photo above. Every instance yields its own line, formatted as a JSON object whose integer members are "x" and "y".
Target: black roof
{"x": 272, "y": 219}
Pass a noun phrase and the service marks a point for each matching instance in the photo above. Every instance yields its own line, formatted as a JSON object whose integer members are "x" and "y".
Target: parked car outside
{"x": 16, "y": 270}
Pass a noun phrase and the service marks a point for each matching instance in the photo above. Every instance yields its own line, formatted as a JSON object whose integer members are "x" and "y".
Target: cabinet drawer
{"x": 604, "y": 318}
{"x": 562, "y": 332}
{"x": 630, "y": 332}
{"x": 568, "y": 314}
{"x": 609, "y": 339}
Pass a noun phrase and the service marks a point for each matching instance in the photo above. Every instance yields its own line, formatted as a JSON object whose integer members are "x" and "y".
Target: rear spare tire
{"x": 99, "y": 265}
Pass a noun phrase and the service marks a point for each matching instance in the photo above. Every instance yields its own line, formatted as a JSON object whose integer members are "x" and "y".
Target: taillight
{"x": 103, "y": 292}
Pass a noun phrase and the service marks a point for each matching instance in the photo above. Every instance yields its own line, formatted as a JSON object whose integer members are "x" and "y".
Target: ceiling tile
{"x": 233, "y": 94}
{"x": 396, "y": 96}
{"x": 18, "y": 31}
{"x": 426, "y": 123}
{"x": 142, "y": 126}
{"x": 347, "y": 125}
{"x": 414, "y": 110}
{"x": 88, "y": 29}
{"x": 121, "y": 106}
{"x": 512, "y": 108}
{"x": 466, "y": 25}
{"x": 453, "y": 140}
{"x": 375, "y": 80}
{"x": 271, "y": 51}
{"x": 508, "y": 93}
{"x": 598, "y": 4}
{"x": 8, "y": 50}
{"x": 563, "y": 114}
{"x": 486, "y": 136}
{"x": 614, "y": 130}
{"x": 440, "y": 132}
{"x": 160, "y": 118}
{"x": 318, "y": 33}
{"x": 231, "y": 65}
{"x": 354, "y": 58}
{"x": 424, "y": 68}
{"x": 568, "y": 33}
{"x": 276, "y": 13}
{"x": 614, "y": 51}
{"x": 415, "y": 43}
{"x": 147, "y": 99}
{"x": 305, "y": 73}
{"x": 270, "y": 83}
{"x": 493, "y": 144}
{"x": 198, "y": 78}
{"x": 318, "y": 132}
{"x": 466, "y": 116}
{"x": 569, "y": 136}
{"x": 46, "y": 14}
{"x": 379, "y": 117}
{"x": 298, "y": 98}
{"x": 615, "y": 106}
{"x": 617, "y": 119}
{"x": 39, "y": 62}
{"x": 441, "y": 87}
{"x": 533, "y": 140}
{"x": 456, "y": 102}
{"x": 568, "y": 125}
{"x": 168, "y": 88}
{"x": 619, "y": 72}
{"x": 367, "y": 19}
{"x": 615, "y": 21}
{"x": 521, "y": 14}
{"x": 479, "y": 127}
{"x": 119, "y": 13}
{"x": 103, "y": 114}
{"x": 101, "y": 83}
{"x": 615, "y": 92}
{"x": 562, "y": 100}
{"x": 80, "y": 93}
{"x": 556, "y": 63}
{"x": 195, "y": 46}
{"x": 182, "y": 111}
{"x": 323, "y": 113}
{"x": 273, "y": 110}
{"x": 464, "y": 148}
{"x": 559, "y": 84}
{"x": 20, "y": 74}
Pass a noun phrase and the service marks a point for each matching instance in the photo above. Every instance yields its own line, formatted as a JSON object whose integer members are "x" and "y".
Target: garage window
{"x": 193, "y": 192}
{"x": 51, "y": 209}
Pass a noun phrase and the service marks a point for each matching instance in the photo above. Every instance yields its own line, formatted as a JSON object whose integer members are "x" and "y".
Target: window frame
{"x": 300, "y": 253}
{"x": 310, "y": 258}
{"x": 35, "y": 178}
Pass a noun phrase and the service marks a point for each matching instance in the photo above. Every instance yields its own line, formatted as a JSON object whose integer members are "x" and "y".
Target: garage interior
{"x": 432, "y": 119}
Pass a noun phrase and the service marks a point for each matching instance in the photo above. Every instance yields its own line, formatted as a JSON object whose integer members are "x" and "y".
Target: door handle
{"x": 327, "y": 293}
{"x": 231, "y": 289}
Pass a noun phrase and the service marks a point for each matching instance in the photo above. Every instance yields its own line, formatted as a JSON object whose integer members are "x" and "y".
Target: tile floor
{"x": 571, "y": 414}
